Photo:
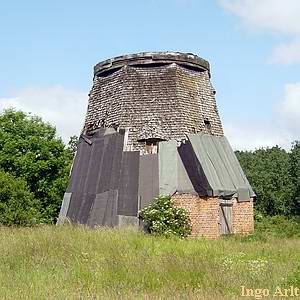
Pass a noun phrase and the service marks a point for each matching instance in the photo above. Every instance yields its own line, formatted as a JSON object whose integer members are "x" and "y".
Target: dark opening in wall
{"x": 152, "y": 65}
{"x": 108, "y": 73}
{"x": 193, "y": 68}
{"x": 207, "y": 125}
{"x": 151, "y": 145}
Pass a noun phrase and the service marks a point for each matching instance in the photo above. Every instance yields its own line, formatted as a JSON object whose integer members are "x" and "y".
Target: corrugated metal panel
{"x": 233, "y": 161}
{"x": 64, "y": 208}
{"x": 218, "y": 162}
{"x": 148, "y": 179}
{"x": 128, "y": 185}
{"x": 220, "y": 165}
{"x": 209, "y": 169}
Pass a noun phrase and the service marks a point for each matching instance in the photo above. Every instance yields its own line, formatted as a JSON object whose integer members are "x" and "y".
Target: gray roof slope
{"x": 220, "y": 166}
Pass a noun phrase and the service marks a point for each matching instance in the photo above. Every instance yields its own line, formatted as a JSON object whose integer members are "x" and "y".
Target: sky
{"x": 48, "y": 50}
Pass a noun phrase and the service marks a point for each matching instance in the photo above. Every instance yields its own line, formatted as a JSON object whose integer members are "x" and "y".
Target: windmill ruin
{"x": 152, "y": 128}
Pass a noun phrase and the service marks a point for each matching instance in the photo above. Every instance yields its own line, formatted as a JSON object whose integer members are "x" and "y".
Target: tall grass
{"x": 74, "y": 262}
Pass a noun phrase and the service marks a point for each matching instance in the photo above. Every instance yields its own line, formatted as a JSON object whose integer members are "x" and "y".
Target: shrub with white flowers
{"x": 163, "y": 218}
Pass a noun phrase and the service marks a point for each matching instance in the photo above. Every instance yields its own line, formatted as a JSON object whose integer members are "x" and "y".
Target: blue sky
{"x": 48, "y": 50}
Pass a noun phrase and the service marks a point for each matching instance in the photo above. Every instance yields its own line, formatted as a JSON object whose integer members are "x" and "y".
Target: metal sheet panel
{"x": 117, "y": 160}
{"x": 194, "y": 170}
{"x": 173, "y": 176}
{"x": 104, "y": 209}
{"x": 243, "y": 194}
{"x": 218, "y": 160}
{"x": 168, "y": 167}
{"x": 96, "y": 170}
{"x": 128, "y": 184}
{"x": 210, "y": 170}
{"x": 80, "y": 168}
{"x": 233, "y": 161}
{"x": 74, "y": 207}
{"x": 86, "y": 203}
{"x": 148, "y": 179}
{"x": 111, "y": 163}
{"x": 220, "y": 165}
{"x": 64, "y": 208}
{"x": 95, "y": 166}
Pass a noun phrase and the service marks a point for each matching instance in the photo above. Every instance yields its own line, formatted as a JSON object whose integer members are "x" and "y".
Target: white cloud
{"x": 282, "y": 130}
{"x": 279, "y": 16}
{"x": 57, "y": 105}
{"x": 286, "y": 53}
{"x": 66, "y": 110}
{"x": 272, "y": 16}
{"x": 250, "y": 135}
{"x": 289, "y": 108}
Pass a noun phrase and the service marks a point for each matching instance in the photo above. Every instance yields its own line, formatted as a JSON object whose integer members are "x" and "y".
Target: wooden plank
{"x": 225, "y": 219}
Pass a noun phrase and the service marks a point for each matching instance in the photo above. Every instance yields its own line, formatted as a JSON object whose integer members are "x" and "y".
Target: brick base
{"x": 204, "y": 213}
{"x": 243, "y": 219}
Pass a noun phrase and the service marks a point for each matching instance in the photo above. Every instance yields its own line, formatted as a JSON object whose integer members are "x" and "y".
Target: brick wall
{"x": 203, "y": 213}
{"x": 243, "y": 221}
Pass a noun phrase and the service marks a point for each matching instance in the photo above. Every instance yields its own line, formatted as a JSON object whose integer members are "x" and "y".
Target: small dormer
{"x": 150, "y": 145}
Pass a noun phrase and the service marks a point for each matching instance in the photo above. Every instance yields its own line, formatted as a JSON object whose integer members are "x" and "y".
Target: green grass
{"x": 74, "y": 262}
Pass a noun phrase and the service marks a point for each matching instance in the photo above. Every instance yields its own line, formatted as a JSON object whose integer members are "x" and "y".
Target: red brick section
{"x": 204, "y": 215}
{"x": 243, "y": 221}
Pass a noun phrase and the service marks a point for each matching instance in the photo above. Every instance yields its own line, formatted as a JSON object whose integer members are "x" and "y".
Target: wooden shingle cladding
{"x": 163, "y": 102}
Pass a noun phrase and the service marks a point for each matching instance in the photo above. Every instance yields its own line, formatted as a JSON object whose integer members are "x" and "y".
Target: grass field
{"x": 66, "y": 262}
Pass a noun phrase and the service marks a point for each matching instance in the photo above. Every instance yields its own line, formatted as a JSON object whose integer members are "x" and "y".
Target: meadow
{"x": 75, "y": 262}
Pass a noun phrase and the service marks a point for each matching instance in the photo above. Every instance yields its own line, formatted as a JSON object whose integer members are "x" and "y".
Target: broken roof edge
{"x": 148, "y": 58}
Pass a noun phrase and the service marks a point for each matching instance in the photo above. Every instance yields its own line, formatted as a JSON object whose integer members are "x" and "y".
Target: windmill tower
{"x": 152, "y": 128}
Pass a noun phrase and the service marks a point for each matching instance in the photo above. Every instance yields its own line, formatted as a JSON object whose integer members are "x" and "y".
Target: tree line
{"x": 35, "y": 166}
{"x": 274, "y": 174}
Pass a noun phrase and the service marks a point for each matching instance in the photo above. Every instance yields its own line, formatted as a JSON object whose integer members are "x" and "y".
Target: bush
{"x": 163, "y": 218}
{"x": 17, "y": 203}
{"x": 278, "y": 226}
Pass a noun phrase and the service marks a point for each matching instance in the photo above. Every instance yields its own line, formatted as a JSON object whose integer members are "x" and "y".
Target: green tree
{"x": 17, "y": 203}
{"x": 30, "y": 149}
{"x": 268, "y": 171}
{"x": 295, "y": 171}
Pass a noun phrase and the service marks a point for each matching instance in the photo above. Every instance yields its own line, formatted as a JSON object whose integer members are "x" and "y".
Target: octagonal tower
{"x": 152, "y": 128}
{"x": 155, "y": 96}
